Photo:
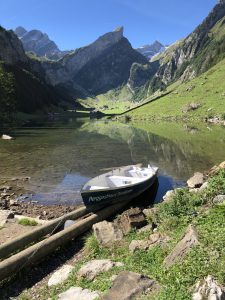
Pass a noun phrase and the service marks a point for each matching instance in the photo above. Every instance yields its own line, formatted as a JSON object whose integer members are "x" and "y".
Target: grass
{"x": 113, "y": 102}
{"x": 173, "y": 218}
{"x": 27, "y": 222}
{"x": 207, "y": 90}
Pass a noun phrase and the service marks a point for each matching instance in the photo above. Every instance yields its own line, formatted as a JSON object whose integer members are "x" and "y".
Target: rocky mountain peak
{"x": 150, "y": 50}
{"x": 38, "y": 42}
{"x": 20, "y": 31}
{"x": 119, "y": 29}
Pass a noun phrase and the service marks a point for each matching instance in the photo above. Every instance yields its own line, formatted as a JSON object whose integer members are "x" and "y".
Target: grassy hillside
{"x": 113, "y": 102}
{"x": 207, "y": 91}
{"x": 172, "y": 219}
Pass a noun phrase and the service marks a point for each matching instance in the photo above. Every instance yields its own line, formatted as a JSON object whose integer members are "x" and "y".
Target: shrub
{"x": 27, "y": 222}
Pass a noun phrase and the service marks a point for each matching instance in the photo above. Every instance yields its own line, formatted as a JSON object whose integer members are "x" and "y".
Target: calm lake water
{"x": 61, "y": 155}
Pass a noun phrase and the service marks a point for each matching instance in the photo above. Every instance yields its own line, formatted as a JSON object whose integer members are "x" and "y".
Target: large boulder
{"x": 208, "y": 289}
{"x": 189, "y": 240}
{"x": 131, "y": 219}
{"x": 107, "y": 233}
{"x": 129, "y": 285}
{"x": 196, "y": 181}
{"x": 91, "y": 269}
{"x": 77, "y": 293}
{"x": 60, "y": 275}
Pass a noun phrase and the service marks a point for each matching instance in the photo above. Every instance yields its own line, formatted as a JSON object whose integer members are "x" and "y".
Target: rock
{"x": 215, "y": 169}
{"x": 91, "y": 269}
{"x": 222, "y": 165}
{"x": 131, "y": 219}
{"x": 196, "y": 181}
{"x": 107, "y": 233}
{"x": 129, "y": 285}
{"x": 147, "y": 228}
{"x": 5, "y": 215}
{"x": 154, "y": 239}
{"x": 189, "y": 240}
{"x": 77, "y": 293}
{"x": 195, "y": 190}
{"x": 208, "y": 289}
{"x": 68, "y": 223}
{"x": 204, "y": 186}
{"x": 169, "y": 195}
{"x": 138, "y": 245}
{"x": 219, "y": 199}
{"x": 60, "y": 275}
{"x": 5, "y": 188}
{"x": 6, "y": 137}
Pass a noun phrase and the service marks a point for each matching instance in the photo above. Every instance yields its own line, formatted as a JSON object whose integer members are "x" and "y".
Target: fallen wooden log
{"x": 24, "y": 240}
{"x": 17, "y": 262}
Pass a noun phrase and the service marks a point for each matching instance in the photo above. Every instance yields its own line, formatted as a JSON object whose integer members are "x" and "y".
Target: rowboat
{"x": 119, "y": 184}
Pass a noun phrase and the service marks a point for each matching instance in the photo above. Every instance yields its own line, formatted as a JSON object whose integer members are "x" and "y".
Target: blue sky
{"x": 75, "y": 23}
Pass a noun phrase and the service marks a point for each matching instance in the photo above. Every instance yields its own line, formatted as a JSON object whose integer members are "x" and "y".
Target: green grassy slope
{"x": 172, "y": 218}
{"x": 208, "y": 90}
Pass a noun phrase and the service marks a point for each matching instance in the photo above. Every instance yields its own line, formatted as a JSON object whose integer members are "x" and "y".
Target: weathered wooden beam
{"x": 17, "y": 262}
{"x": 24, "y": 240}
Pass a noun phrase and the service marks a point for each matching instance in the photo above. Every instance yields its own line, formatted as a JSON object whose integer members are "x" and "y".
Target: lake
{"x": 60, "y": 155}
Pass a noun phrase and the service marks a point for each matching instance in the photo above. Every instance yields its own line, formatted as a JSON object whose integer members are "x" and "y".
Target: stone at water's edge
{"x": 77, "y": 293}
{"x": 169, "y": 195}
{"x": 6, "y": 137}
{"x": 91, "y": 269}
{"x": 60, "y": 275}
{"x": 107, "y": 233}
{"x": 208, "y": 289}
{"x": 128, "y": 285}
{"x": 196, "y": 181}
{"x": 189, "y": 240}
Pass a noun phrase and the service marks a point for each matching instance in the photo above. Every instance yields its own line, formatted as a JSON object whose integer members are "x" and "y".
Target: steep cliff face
{"x": 96, "y": 68}
{"x": 22, "y": 88}
{"x": 195, "y": 54}
{"x": 11, "y": 49}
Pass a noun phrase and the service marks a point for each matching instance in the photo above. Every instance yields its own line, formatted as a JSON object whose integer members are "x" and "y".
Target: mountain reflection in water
{"x": 60, "y": 156}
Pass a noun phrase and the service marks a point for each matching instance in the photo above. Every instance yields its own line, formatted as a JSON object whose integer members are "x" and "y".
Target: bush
{"x": 27, "y": 222}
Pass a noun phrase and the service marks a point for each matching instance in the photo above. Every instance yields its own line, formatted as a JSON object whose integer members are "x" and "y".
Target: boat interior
{"x": 120, "y": 177}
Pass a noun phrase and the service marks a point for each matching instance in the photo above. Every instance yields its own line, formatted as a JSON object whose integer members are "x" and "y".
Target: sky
{"x": 76, "y": 23}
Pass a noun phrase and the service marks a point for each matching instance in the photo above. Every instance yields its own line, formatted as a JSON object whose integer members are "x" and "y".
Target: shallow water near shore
{"x": 60, "y": 155}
